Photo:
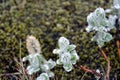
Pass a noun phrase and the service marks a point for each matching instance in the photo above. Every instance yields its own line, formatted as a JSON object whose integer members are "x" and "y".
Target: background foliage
{"x": 47, "y": 20}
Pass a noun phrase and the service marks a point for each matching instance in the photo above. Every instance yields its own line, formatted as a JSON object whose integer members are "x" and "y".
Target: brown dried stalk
{"x": 89, "y": 70}
{"x": 117, "y": 25}
{"x": 94, "y": 72}
{"x": 32, "y": 45}
{"x": 118, "y": 46}
{"x": 108, "y": 64}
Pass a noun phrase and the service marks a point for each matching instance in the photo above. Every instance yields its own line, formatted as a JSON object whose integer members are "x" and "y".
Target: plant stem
{"x": 108, "y": 64}
{"x": 118, "y": 46}
{"x": 83, "y": 76}
{"x": 117, "y": 25}
{"x": 7, "y": 74}
{"x": 21, "y": 63}
{"x": 86, "y": 69}
{"x": 89, "y": 70}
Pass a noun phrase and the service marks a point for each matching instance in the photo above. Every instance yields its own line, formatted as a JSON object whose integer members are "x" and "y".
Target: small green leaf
{"x": 74, "y": 57}
{"x": 58, "y": 61}
{"x": 63, "y": 42}
{"x": 67, "y": 54}
{"x": 56, "y": 51}
{"x": 68, "y": 67}
{"x": 50, "y": 74}
{"x": 41, "y": 59}
{"x": 116, "y": 4}
{"x": 100, "y": 43}
{"x": 111, "y": 21}
{"x": 97, "y": 21}
{"x": 31, "y": 69}
{"x": 102, "y": 37}
{"x": 43, "y": 76}
{"x": 89, "y": 28}
{"x": 107, "y": 37}
{"x": 51, "y": 63}
{"x": 25, "y": 58}
{"x": 71, "y": 47}
{"x": 65, "y": 58}
{"x": 45, "y": 67}
{"x": 34, "y": 60}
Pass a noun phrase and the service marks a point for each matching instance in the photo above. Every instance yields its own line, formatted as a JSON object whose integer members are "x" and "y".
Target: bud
{"x": 33, "y": 45}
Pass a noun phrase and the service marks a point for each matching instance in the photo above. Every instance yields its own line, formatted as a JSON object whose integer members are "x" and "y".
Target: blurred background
{"x": 48, "y": 20}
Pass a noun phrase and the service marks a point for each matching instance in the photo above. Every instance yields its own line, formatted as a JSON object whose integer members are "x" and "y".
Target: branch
{"x": 7, "y": 74}
{"x": 108, "y": 64}
{"x": 117, "y": 25}
{"x": 118, "y": 46}
{"x": 89, "y": 70}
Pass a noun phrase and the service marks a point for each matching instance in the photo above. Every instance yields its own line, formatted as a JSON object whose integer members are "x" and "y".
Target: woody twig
{"x": 118, "y": 46}
{"x": 108, "y": 64}
{"x": 117, "y": 36}
{"x": 93, "y": 71}
{"x": 89, "y": 70}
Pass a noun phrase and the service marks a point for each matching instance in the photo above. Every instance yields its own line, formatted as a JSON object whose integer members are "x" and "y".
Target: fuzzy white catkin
{"x": 32, "y": 45}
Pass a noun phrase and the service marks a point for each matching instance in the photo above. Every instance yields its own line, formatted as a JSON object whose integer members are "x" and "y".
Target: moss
{"x": 47, "y": 21}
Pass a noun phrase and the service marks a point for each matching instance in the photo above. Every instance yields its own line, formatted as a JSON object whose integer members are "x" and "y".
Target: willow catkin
{"x": 33, "y": 45}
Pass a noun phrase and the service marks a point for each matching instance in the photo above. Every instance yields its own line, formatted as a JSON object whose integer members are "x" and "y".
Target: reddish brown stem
{"x": 88, "y": 70}
{"x": 108, "y": 64}
{"x": 104, "y": 55}
{"x": 118, "y": 46}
